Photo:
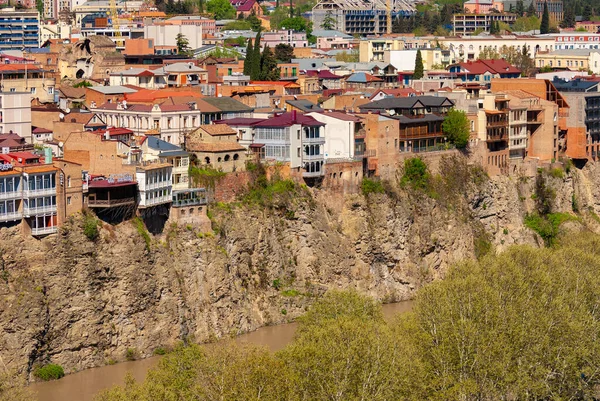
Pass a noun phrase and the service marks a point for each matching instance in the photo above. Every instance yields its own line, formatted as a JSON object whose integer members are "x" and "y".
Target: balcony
{"x": 313, "y": 157}
{"x": 407, "y": 135}
{"x": 11, "y": 216}
{"x": 10, "y": 194}
{"x": 155, "y": 201}
{"x": 315, "y": 141}
{"x": 503, "y": 123}
{"x": 180, "y": 169}
{"x": 110, "y": 202}
{"x": 44, "y": 230}
{"x": 313, "y": 174}
{"x": 32, "y": 193}
{"x": 189, "y": 202}
{"x": 156, "y": 185}
{"x": 32, "y": 211}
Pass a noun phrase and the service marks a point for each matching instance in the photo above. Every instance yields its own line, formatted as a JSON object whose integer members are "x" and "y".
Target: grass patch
{"x": 141, "y": 229}
{"x": 90, "y": 226}
{"x": 205, "y": 176}
{"x": 369, "y": 186}
{"x": 547, "y": 226}
{"x": 131, "y": 354}
{"x": 160, "y": 351}
{"x": 290, "y": 293}
{"x": 557, "y": 172}
{"x": 49, "y": 372}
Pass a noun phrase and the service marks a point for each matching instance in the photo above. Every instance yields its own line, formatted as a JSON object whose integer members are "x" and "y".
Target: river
{"x": 84, "y": 385}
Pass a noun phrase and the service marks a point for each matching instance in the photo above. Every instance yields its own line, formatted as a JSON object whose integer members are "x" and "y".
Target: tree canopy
{"x": 545, "y": 24}
{"x": 284, "y": 52}
{"x": 419, "y": 72}
{"x": 221, "y": 9}
{"x": 457, "y": 127}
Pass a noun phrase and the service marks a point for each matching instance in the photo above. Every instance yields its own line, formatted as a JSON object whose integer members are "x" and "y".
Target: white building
{"x": 341, "y": 132}
{"x": 575, "y": 40}
{"x": 154, "y": 184}
{"x": 15, "y": 114}
{"x": 141, "y": 77}
{"x": 166, "y": 35}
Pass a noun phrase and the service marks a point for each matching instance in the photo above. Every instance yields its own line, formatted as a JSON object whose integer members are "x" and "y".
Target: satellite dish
{"x": 61, "y": 116}
{"x": 67, "y": 110}
{"x": 61, "y": 144}
{"x": 392, "y": 112}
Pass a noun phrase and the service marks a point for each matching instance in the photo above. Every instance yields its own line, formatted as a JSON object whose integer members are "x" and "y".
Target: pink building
{"x": 483, "y": 6}
{"x": 294, "y": 39}
{"x": 208, "y": 25}
{"x": 336, "y": 42}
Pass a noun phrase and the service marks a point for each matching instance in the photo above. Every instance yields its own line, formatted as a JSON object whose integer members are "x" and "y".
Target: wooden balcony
{"x": 110, "y": 202}
{"x": 412, "y": 134}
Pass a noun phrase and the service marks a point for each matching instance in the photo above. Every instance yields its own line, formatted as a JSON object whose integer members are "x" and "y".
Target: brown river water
{"x": 84, "y": 385}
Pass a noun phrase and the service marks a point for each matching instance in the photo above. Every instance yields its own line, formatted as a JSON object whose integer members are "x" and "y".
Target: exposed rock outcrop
{"x": 82, "y": 303}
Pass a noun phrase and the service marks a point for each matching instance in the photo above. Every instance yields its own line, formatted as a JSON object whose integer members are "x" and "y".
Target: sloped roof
{"x": 304, "y": 105}
{"x": 112, "y": 90}
{"x": 243, "y": 5}
{"x": 165, "y": 148}
{"x": 218, "y": 129}
{"x": 287, "y": 120}
{"x": 226, "y": 104}
{"x": 408, "y": 103}
{"x": 362, "y": 77}
{"x": 73, "y": 93}
{"x": 340, "y": 115}
{"x": 499, "y": 66}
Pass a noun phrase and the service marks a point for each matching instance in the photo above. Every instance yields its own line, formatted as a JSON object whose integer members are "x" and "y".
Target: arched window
{"x": 218, "y": 160}
{"x": 207, "y": 160}
{"x": 227, "y": 158}
{"x": 236, "y": 156}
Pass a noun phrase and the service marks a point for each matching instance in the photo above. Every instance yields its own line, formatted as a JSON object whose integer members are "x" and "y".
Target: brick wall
{"x": 230, "y": 186}
{"x": 344, "y": 177}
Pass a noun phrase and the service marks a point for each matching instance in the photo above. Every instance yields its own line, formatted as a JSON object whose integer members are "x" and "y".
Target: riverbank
{"x": 84, "y": 385}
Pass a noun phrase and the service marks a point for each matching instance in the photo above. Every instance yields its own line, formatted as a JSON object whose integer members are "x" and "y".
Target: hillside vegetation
{"x": 520, "y": 325}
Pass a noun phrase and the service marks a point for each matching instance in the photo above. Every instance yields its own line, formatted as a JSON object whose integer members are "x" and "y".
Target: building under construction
{"x": 362, "y": 17}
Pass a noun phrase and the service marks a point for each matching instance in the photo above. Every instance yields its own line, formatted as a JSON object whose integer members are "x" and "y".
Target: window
{"x": 68, "y": 200}
{"x": 69, "y": 181}
{"x": 33, "y": 91}
{"x": 298, "y": 151}
{"x": 13, "y": 89}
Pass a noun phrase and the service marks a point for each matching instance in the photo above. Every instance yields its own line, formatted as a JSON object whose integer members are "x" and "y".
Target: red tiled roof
{"x": 499, "y": 66}
{"x": 149, "y": 95}
{"x": 287, "y": 120}
{"x": 40, "y": 130}
{"x": 239, "y": 121}
{"x": 115, "y": 131}
{"x": 243, "y": 5}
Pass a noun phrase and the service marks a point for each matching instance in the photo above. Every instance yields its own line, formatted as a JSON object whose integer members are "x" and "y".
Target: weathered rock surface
{"x": 82, "y": 303}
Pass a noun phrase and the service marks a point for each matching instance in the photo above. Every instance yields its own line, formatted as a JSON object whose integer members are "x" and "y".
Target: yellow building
{"x": 373, "y": 49}
{"x": 572, "y": 59}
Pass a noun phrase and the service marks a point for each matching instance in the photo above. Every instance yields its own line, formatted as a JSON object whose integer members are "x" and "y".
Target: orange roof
{"x": 149, "y": 95}
{"x": 218, "y": 129}
{"x": 280, "y": 83}
{"x": 41, "y": 168}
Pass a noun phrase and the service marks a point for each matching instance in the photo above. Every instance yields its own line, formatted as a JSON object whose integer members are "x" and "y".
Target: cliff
{"x": 82, "y": 303}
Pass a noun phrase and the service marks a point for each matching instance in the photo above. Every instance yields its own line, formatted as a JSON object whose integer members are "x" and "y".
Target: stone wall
{"x": 230, "y": 186}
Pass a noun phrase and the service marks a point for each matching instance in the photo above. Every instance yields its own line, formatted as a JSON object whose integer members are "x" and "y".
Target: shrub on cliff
{"x": 50, "y": 371}
{"x": 415, "y": 174}
{"x": 90, "y": 226}
{"x": 369, "y": 186}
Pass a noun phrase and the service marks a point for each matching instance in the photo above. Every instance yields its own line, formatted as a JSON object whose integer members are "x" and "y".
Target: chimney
{"x": 294, "y": 116}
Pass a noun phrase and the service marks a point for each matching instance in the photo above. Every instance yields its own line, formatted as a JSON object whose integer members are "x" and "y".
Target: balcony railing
{"x": 180, "y": 169}
{"x": 189, "y": 202}
{"x": 10, "y": 194}
{"x": 408, "y": 135}
{"x": 318, "y": 140}
{"x": 30, "y": 193}
{"x": 32, "y": 211}
{"x": 497, "y": 123}
{"x": 11, "y": 216}
{"x": 44, "y": 230}
{"x": 313, "y": 157}
{"x": 111, "y": 202}
{"x": 157, "y": 185}
{"x": 310, "y": 174}
{"x": 155, "y": 201}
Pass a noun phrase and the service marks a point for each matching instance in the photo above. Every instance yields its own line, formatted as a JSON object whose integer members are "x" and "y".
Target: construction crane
{"x": 114, "y": 18}
{"x": 388, "y": 11}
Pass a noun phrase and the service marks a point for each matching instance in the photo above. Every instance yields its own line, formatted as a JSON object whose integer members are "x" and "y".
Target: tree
{"x": 494, "y": 29}
{"x": 520, "y": 8}
{"x": 524, "y": 24}
{"x": 268, "y": 66}
{"x": 183, "y": 44}
{"x": 255, "y": 23}
{"x": 220, "y": 9}
{"x": 284, "y": 52}
{"x": 525, "y": 63}
{"x": 568, "y": 19}
{"x": 418, "y": 73}
{"x": 238, "y": 25}
{"x": 249, "y": 58}
{"x": 201, "y": 6}
{"x": 587, "y": 12}
{"x": 329, "y": 22}
{"x": 297, "y": 24}
{"x": 545, "y": 25}
{"x": 457, "y": 127}
{"x": 531, "y": 11}
{"x": 278, "y": 16}
{"x": 255, "y": 70}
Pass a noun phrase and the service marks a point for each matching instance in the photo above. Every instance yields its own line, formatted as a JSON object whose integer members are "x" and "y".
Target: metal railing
{"x": 30, "y": 193}
{"x": 313, "y": 157}
{"x": 189, "y": 202}
{"x": 110, "y": 203}
{"x": 157, "y": 185}
{"x": 318, "y": 140}
{"x": 11, "y": 216}
{"x": 10, "y": 194}
{"x": 28, "y": 211}
{"x": 156, "y": 201}
{"x": 44, "y": 230}
{"x": 313, "y": 173}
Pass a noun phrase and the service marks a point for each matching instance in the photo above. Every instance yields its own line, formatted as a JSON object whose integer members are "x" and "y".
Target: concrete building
{"x": 141, "y": 77}
{"x": 469, "y": 47}
{"x": 574, "y": 60}
{"x": 15, "y": 114}
{"x": 332, "y": 39}
{"x": 575, "y": 40}
{"x": 154, "y": 149}
{"x": 27, "y": 78}
{"x": 166, "y": 35}
{"x": 19, "y": 29}
{"x": 483, "y": 6}
{"x": 360, "y": 17}
{"x": 589, "y": 26}
{"x": 592, "y": 123}
{"x": 344, "y": 134}
{"x": 285, "y": 36}
{"x": 469, "y": 23}
{"x": 154, "y": 183}
{"x": 404, "y": 60}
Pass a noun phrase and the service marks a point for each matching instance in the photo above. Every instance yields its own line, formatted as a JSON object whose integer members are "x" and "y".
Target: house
{"x": 570, "y": 59}
{"x": 97, "y": 95}
{"x": 410, "y": 106}
{"x": 217, "y": 146}
{"x": 140, "y": 77}
{"x": 331, "y": 39}
{"x": 344, "y": 134}
{"x": 246, "y": 7}
{"x": 326, "y": 79}
{"x": 154, "y": 149}
{"x": 397, "y": 92}
{"x": 285, "y": 36}
{"x": 484, "y": 70}
{"x": 15, "y": 114}
{"x": 302, "y": 105}
{"x": 362, "y": 80}
{"x": 27, "y": 78}
{"x": 182, "y": 74}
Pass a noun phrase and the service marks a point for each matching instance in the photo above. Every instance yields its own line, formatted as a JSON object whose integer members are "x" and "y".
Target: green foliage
{"x": 141, "y": 229}
{"x": 205, "y": 176}
{"x": 547, "y": 226}
{"x": 545, "y": 24}
{"x": 131, "y": 354}
{"x": 82, "y": 84}
{"x": 348, "y": 57}
{"x": 329, "y": 22}
{"x": 90, "y": 226}
{"x": 557, "y": 172}
{"x": 369, "y": 186}
{"x": 221, "y": 9}
{"x": 290, "y": 292}
{"x": 277, "y": 284}
{"x": 269, "y": 69}
{"x": 249, "y": 60}
{"x": 298, "y": 24}
{"x": 419, "y": 71}
{"x": 457, "y": 127}
{"x": 544, "y": 194}
{"x": 416, "y": 175}
{"x": 237, "y": 25}
{"x": 284, "y": 53}
{"x": 160, "y": 351}
{"x": 183, "y": 45}
{"x": 524, "y": 24}
{"x": 48, "y": 372}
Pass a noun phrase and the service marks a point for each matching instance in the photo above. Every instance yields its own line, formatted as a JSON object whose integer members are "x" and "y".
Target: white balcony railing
{"x": 319, "y": 140}
{"x": 31, "y": 193}
{"x": 30, "y": 211}
{"x": 180, "y": 169}
{"x": 10, "y": 194}
{"x": 313, "y": 157}
{"x": 10, "y": 216}
{"x": 44, "y": 230}
{"x": 157, "y": 185}
{"x": 156, "y": 201}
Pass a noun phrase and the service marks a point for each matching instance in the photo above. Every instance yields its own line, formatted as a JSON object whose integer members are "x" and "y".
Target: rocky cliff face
{"x": 82, "y": 303}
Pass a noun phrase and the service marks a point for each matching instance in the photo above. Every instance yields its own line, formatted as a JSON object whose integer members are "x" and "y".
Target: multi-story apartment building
{"x": 573, "y": 59}
{"x": 483, "y": 6}
{"x": 154, "y": 149}
{"x": 155, "y": 186}
{"x": 592, "y": 123}
{"x": 28, "y": 78}
{"x": 15, "y": 114}
{"x": 469, "y": 23}
{"x": 575, "y": 40}
{"x": 287, "y": 36}
{"x": 469, "y": 47}
{"x": 345, "y": 134}
{"x": 166, "y": 34}
{"x": 19, "y": 29}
